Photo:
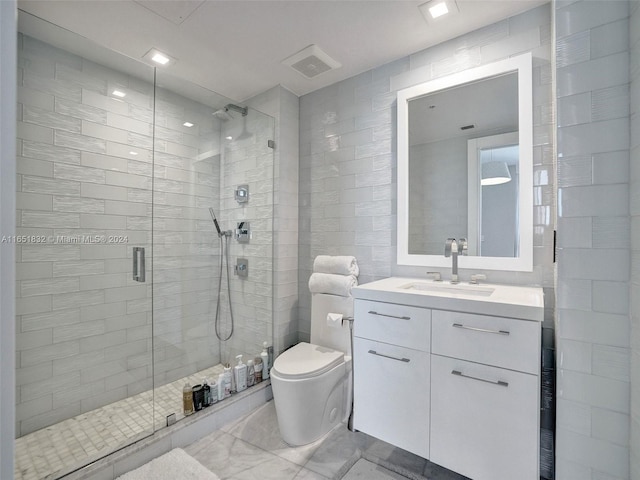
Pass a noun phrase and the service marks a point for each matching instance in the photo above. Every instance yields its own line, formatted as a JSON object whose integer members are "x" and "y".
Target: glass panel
{"x": 84, "y": 354}
{"x": 204, "y": 312}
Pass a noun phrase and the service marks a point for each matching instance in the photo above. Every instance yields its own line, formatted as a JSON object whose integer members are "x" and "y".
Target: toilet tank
{"x": 322, "y": 334}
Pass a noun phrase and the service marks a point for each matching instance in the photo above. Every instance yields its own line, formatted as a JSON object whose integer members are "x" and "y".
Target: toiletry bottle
{"x": 227, "y": 381}
{"x": 221, "y": 384}
{"x": 258, "y": 367}
{"x": 240, "y": 374}
{"x": 251, "y": 373}
{"x": 214, "y": 392}
{"x": 187, "y": 399}
{"x": 207, "y": 392}
{"x": 265, "y": 361}
{"x": 198, "y": 397}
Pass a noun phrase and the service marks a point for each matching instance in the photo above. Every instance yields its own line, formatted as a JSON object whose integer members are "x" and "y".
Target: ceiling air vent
{"x": 311, "y": 62}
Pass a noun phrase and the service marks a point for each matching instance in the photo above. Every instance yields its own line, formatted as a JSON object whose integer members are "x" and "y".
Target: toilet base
{"x": 307, "y": 409}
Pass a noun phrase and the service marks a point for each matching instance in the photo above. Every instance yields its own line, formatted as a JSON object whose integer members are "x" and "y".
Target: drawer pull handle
{"x": 390, "y": 316}
{"x": 373, "y": 352}
{"x": 498, "y": 382}
{"x": 484, "y": 330}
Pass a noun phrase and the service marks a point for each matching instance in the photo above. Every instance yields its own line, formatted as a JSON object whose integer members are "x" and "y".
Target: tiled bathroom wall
{"x": 348, "y": 155}
{"x": 85, "y": 169}
{"x": 283, "y": 106}
{"x": 634, "y": 184}
{"x": 593, "y": 348}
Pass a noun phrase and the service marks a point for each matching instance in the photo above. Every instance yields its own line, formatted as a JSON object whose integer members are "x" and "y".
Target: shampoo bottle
{"x": 258, "y": 367}
{"x": 221, "y": 384}
{"x": 265, "y": 361}
{"x": 251, "y": 373}
{"x": 214, "y": 392}
{"x": 207, "y": 392}
{"x": 227, "y": 381}
{"x": 240, "y": 374}
{"x": 187, "y": 399}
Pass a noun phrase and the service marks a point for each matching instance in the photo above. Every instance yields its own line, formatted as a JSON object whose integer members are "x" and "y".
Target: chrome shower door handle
{"x": 138, "y": 264}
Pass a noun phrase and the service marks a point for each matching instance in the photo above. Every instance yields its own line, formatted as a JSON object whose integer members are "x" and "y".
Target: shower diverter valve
{"x": 242, "y": 267}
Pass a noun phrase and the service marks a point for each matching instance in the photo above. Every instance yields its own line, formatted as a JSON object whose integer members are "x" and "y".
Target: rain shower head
{"x": 224, "y": 112}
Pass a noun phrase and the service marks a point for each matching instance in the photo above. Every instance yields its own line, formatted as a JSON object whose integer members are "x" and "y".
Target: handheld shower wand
{"x": 215, "y": 221}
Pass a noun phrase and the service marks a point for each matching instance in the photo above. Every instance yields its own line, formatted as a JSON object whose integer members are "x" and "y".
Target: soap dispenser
{"x": 265, "y": 361}
{"x": 240, "y": 374}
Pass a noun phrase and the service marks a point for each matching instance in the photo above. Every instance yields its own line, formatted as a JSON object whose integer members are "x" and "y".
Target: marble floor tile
{"x": 395, "y": 459}
{"x": 260, "y": 428}
{"x": 305, "y": 474}
{"x": 366, "y": 470}
{"x": 339, "y": 450}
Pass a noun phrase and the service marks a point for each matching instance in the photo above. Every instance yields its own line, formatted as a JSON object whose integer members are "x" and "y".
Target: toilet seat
{"x": 306, "y": 360}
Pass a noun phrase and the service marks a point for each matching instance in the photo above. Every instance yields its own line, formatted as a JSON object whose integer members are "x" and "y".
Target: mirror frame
{"x": 522, "y": 64}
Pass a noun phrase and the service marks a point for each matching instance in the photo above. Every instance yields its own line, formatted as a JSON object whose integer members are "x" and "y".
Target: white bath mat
{"x": 175, "y": 465}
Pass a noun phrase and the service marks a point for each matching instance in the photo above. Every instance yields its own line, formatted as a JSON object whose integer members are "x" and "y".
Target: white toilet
{"x": 311, "y": 382}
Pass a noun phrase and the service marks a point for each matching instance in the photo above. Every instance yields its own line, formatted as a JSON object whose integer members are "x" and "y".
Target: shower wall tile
{"x": 45, "y": 151}
{"x": 593, "y": 112}
{"x": 634, "y": 436}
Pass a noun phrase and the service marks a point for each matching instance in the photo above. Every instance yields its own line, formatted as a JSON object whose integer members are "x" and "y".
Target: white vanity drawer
{"x": 484, "y": 420}
{"x": 391, "y": 394}
{"x": 502, "y": 342}
{"x": 391, "y": 323}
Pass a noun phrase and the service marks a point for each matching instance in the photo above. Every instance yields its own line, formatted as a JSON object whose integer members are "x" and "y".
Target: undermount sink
{"x": 449, "y": 288}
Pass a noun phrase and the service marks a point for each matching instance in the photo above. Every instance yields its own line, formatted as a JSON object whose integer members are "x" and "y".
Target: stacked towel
{"x": 339, "y": 265}
{"x": 332, "y": 284}
{"x": 334, "y": 275}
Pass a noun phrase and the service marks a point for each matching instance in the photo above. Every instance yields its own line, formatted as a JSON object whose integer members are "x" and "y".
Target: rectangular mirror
{"x": 465, "y": 167}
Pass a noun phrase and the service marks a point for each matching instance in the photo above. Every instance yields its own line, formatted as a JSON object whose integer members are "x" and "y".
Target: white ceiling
{"x": 236, "y": 47}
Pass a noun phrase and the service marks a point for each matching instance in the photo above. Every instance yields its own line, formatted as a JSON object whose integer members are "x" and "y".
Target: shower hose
{"x": 224, "y": 252}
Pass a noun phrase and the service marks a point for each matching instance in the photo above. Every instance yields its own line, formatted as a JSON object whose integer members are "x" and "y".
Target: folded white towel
{"x": 339, "y": 265}
{"x": 332, "y": 284}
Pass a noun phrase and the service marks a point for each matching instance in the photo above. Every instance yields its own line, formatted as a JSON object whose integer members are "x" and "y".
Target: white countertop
{"x": 513, "y": 301}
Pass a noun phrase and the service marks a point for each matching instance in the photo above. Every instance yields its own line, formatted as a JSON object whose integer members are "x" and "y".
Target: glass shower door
{"x": 84, "y": 345}
{"x": 205, "y": 312}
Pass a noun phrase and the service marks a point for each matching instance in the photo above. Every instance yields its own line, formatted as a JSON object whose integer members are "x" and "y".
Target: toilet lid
{"x": 307, "y": 360}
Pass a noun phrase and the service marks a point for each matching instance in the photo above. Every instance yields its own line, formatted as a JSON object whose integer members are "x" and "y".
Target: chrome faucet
{"x": 453, "y": 248}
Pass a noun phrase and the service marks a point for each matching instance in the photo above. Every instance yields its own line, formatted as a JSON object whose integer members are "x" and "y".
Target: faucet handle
{"x": 435, "y": 275}
{"x": 475, "y": 279}
{"x": 463, "y": 248}
{"x": 450, "y": 246}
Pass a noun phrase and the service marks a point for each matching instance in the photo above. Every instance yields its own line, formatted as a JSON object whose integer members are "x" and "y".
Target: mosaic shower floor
{"x": 59, "y": 449}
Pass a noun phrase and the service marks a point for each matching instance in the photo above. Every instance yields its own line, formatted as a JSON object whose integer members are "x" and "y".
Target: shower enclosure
{"x": 118, "y": 260}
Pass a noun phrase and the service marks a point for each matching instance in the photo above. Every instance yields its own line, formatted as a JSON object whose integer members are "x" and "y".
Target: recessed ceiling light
{"x": 159, "y": 58}
{"x": 133, "y": 153}
{"x": 229, "y": 137}
{"x": 188, "y": 124}
{"x": 118, "y": 93}
{"x": 436, "y": 9}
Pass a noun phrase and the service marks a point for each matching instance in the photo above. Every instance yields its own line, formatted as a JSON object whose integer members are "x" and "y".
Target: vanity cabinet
{"x": 485, "y": 391}
{"x": 455, "y": 381}
{"x": 391, "y": 374}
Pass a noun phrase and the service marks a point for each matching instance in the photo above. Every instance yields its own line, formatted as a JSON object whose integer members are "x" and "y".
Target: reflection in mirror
{"x": 457, "y": 137}
{"x": 494, "y": 171}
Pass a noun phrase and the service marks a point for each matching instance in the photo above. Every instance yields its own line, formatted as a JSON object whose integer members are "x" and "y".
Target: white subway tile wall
{"x": 85, "y": 169}
{"x": 593, "y": 347}
{"x": 616, "y": 171}
{"x": 348, "y": 159}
